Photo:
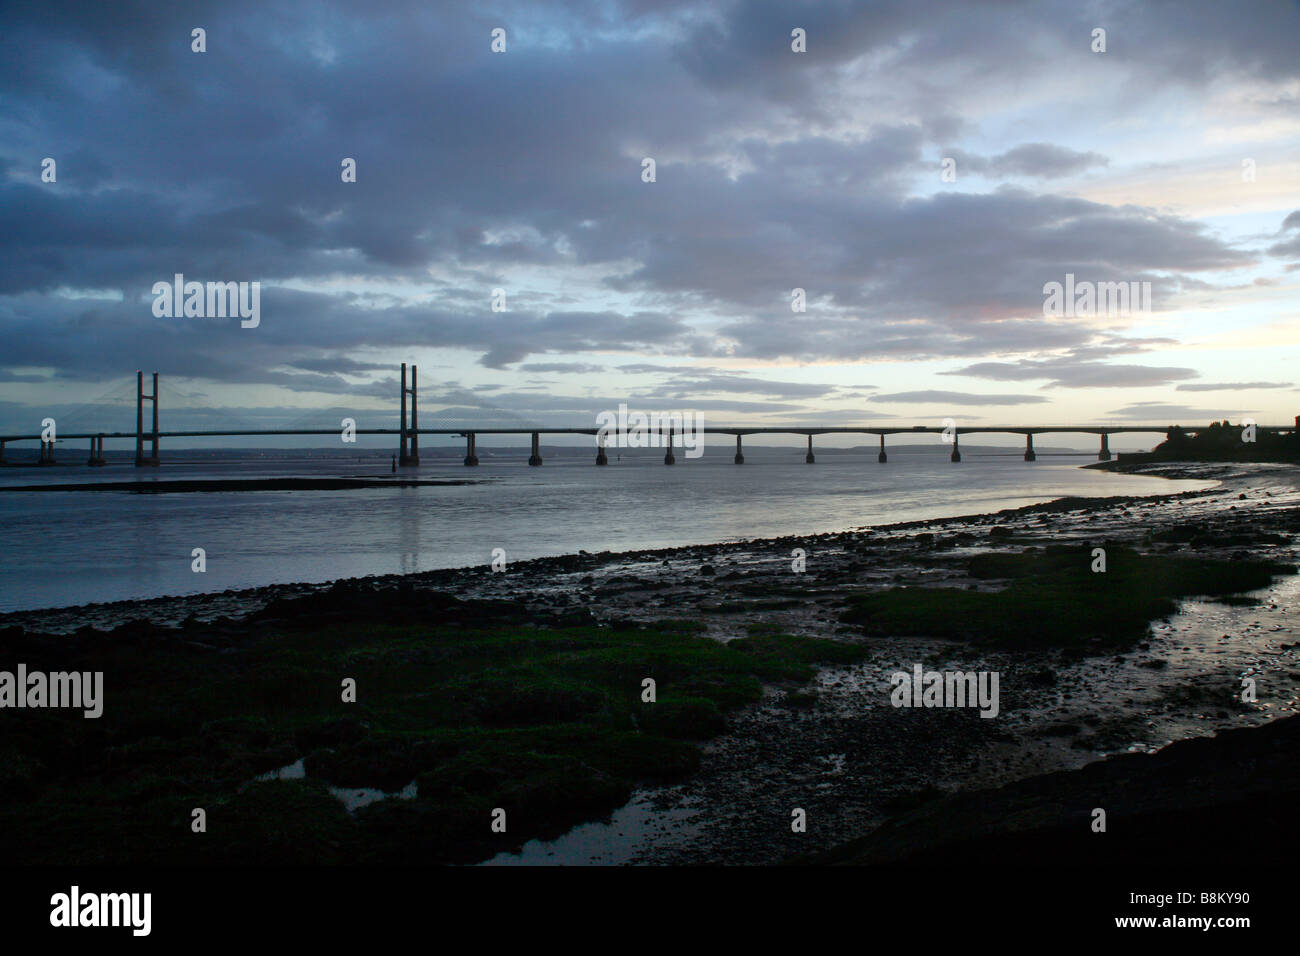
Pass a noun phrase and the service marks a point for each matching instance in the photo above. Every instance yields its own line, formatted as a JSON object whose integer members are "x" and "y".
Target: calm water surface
{"x": 66, "y": 548}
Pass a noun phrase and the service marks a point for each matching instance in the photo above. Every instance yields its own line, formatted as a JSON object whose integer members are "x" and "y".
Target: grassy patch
{"x": 548, "y": 724}
{"x": 1052, "y": 596}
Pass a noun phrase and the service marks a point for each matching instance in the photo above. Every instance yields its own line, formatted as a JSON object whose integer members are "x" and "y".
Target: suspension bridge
{"x": 147, "y": 439}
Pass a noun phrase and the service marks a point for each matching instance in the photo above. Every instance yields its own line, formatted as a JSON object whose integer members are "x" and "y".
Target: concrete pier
{"x": 96, "y": 452}
{"x": 810, "y": 458}
{"x": 1029, "y": 447}
{"x": 1104, "y": 454}
{"x": 668, "y": 457}
{"x": 601, "y": 457}
{"x": 956, "y": 451}
{"x": 882, "y": 457}
{"x": 471, "y": 454}
{"x": 47, "y": 453}
{"x": 535, "y": 458}
{"x": 740, "y": 456}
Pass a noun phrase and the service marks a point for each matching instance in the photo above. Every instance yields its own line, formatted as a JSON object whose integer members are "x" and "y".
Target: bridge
{"x": 409, "y": 432}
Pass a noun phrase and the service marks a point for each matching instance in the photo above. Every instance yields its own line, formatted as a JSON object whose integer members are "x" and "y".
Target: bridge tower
{"x": 140, "y": 437}
{"x": 408, "y": 452}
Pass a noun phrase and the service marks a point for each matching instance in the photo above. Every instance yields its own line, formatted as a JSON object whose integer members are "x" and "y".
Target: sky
{"x": 920, "y": 171}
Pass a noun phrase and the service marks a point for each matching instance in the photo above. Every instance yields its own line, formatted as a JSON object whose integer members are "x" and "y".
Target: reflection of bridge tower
{"x": 140, "y": 436}
{"x": 408, "y": 452}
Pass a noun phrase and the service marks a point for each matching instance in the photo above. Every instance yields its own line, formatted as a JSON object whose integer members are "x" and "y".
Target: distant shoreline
{"x": 190, "y": 485}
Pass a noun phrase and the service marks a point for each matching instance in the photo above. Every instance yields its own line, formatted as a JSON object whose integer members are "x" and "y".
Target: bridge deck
{"x": 706, "y": 430}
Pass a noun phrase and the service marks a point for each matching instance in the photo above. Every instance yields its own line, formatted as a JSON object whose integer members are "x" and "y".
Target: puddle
{"x": 351, "y": 798}
{"x": 637, "y": 826}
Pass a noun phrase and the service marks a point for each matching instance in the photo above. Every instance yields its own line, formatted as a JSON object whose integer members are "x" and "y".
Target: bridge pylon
{"x": 408, "y": 452}
{"x": 141, "y": 461}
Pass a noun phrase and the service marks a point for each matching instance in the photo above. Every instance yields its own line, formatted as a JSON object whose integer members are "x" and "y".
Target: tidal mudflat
{"x": 771, "y": 663}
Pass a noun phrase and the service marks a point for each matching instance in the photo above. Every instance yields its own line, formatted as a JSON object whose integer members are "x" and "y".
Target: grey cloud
{"x": 1158, "y": 412}
{"x": 568, "y": 368}
{"x": 934, "y": 397}
{"x": 1038, "y": 160}
{"x": 1068, "y": 373}
{"x": 1229, "y": 386}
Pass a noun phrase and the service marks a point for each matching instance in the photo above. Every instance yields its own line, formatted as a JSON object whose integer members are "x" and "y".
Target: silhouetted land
{"x": 1221, "y": 441}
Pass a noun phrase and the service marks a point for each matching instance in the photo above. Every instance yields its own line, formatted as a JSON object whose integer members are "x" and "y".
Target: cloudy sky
{"x": 1171, "y": 158}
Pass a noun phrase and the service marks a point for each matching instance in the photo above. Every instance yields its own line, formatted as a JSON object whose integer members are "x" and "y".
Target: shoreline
{"x": 169, "y": 605}
{"x": 831, "y": 744}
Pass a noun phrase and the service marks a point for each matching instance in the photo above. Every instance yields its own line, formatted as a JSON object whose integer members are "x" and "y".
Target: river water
{"x": 61, "y": 548}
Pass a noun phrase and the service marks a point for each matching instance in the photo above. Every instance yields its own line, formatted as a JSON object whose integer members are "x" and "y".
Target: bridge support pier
{"x": 96, "y": 451}
{"x": 810, "y": 458}
{"x": 882, "y": 457}
{"x": 956, "y": 450}
{"x": 1104, "y": 454}
{"x": 535, "y": 458}
{"x": 668, "y": 456}
{"x": 2, "y": 453}
{"x": 471, "y": 453}
{"x": 1029, "y": 447}
{"x": 140, "y": 437}
{"x": 740, "y": 455}
{"x": 47, "y": 453}
{"x": 601, "y": 457}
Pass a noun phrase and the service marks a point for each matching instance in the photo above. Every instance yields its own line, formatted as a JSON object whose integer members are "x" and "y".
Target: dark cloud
{"x": 776, "y": 170}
